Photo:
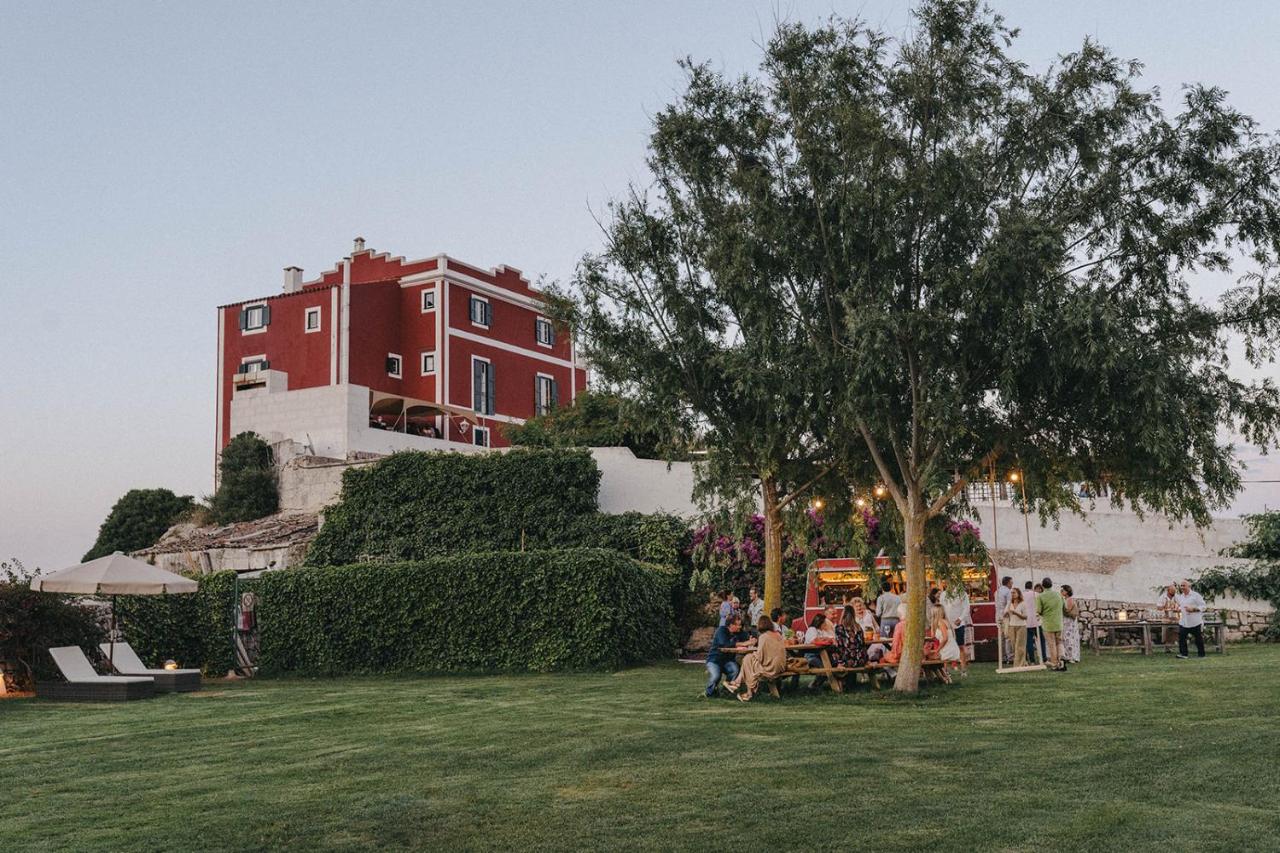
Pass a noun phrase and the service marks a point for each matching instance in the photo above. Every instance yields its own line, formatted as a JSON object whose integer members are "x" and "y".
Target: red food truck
{"x": 836, "y": 581}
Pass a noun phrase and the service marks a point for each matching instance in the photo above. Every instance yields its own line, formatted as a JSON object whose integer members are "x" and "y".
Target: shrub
{"x": 138, "y": 520}
{"x": 594, "y": 419}
{"x": 247, "y": 487}
{"x": 31, "y": 622}
{"x": 537, "y": 610}
{"x": 1261, "y": 580}
{"x": 413, "y": 506}
{"x": 195, "y": 629}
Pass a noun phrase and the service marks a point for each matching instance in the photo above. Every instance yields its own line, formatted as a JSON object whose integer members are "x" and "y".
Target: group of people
{"x": 1181, "y": 602}
{"x": 857, "y": 634}
{"x": 1038, "y": 618}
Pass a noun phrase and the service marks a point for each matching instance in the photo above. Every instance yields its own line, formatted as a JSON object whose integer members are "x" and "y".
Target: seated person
{"x": 851, "y": 646}
{"x": 722, "y": 663}
{"x": 781, "y": 619}
{"x": 768, "y": 661}
{"x": 894, "y": 655}
{"x": 819, "y": 629}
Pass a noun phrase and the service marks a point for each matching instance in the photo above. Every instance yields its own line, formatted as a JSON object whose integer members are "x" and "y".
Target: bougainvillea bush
{"x": 731, "y": 556}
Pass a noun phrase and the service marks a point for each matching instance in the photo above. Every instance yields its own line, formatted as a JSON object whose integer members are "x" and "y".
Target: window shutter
{"x": 555, "y": 394}
{"x": 266, "y": 365}
{"x": 477, "y": 377}
{"x": 266, "y": 315}
{"x": 244, "y": 318}
{"x": 489, "y": 387}
{"x": 487, "y": 309}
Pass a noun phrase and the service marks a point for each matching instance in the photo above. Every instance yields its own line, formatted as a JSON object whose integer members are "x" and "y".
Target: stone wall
{"x": 1241, "y": 624}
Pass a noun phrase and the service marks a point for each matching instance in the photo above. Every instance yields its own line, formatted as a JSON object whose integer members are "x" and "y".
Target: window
{"x": 480, "y": 436}
{"x": 393, "y": 365}
{"x": 254, "y": 364}
{"x": 544, "y": 332}
{"x": 428, "y": 300}
{"x": 481, "y": 312}
{"x": 312, "y": 322}
{"x": 545, "y": 394}
{"x": 255, "y": 318}
{"x": 428, "y": 363}
{"x": 482, "y": 381}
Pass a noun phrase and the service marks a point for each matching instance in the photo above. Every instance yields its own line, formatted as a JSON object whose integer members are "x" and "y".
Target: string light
{"x": 880, "y": 490}
{"x": 1014, "y": 476}
{"x": 860, "y": 502}
{"x": 816, "y": 503}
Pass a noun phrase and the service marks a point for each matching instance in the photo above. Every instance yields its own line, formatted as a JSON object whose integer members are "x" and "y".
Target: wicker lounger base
{"x": 87, "y": 691}
{"x": 176, "y": 682}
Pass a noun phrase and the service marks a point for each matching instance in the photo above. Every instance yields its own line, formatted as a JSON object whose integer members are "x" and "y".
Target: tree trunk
{"x": 772, "y": 544}
{"x": 908, "y": 680}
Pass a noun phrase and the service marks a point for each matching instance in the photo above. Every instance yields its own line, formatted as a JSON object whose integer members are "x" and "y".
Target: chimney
{"x": 359, "y": 246}
{"x": 292, "y": 279}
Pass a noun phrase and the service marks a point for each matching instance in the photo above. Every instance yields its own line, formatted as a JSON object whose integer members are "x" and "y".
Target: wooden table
{"x": 1146, "y": 627}
{"x": 834, "y": 674}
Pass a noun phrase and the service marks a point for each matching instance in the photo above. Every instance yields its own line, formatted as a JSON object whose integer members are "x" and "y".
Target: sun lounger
{"x": 84, "y": 684}
{"x": 127, "y": 662}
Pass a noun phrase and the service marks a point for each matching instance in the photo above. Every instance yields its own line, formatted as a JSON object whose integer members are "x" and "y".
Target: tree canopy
{"x": 138, "y": 520}
{"x": 922, "y": 262}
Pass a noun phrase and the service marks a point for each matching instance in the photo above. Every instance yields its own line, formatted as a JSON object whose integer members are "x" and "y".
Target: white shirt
{"x": 1029, "y": 599}
{"x": 812, "y": 633}
{"x": 1003, "y": 595}
{"x": 1191, "y": 599}
{"x": 755, "y": 610}
{"x": 887, "y": 605}
{"x": 1167, "y": 602}
{"x": 956, "y": 605}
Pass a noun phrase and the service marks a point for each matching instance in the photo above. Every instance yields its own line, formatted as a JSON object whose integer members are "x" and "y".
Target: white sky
{"x": 159, "y": 159}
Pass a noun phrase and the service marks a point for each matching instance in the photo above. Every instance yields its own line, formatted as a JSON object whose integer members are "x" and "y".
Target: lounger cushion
{"x": 76, "y": 668}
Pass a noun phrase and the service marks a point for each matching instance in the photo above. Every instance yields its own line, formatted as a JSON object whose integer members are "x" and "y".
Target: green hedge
{"x": 194, "y": 630}
{"x": 537, "y": 610}
{"x": 414, "y": 506}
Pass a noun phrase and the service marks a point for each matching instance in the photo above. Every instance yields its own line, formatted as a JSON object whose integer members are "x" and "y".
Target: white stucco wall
{"x": 1111, "y": 555}
{"x": 643, "y": 485}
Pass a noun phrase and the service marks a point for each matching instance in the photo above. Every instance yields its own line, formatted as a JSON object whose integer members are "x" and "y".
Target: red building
{"x": 382, "y": 353}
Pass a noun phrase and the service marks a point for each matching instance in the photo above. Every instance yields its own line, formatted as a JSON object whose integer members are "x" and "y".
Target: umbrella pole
{"x": 111, "y": 649}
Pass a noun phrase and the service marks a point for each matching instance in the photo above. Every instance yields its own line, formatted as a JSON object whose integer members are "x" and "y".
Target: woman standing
{"x": 1070, "y": 626}
{"x": 1015, "y": 616}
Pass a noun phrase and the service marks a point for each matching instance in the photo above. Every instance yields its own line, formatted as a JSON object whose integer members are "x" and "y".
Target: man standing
{"x": 1003, "y": 594}
{"x": 755, "y": 608}
{"x": 722, "y": 663}
{"x": 1033, "y": 627}
{"x": 1191, "y": 603}
{"x": 727, "y": 607}
{"x": 955, "y": 602}
{"x": 1049, "y": 607}
{"x": 887, "y": 607}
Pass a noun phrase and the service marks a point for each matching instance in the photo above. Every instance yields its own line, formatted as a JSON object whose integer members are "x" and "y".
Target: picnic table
{"x": 834, "y": 674}
{"x": 1111, "y": 628}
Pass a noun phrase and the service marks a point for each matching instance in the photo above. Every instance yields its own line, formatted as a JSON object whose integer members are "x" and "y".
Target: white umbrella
{"x": 116, "y": 574}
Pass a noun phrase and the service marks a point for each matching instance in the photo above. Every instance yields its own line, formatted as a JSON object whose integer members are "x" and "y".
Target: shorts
{"x": 960, "y": 634}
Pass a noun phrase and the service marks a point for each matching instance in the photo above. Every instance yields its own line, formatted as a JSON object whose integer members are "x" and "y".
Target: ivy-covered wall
{"x": 194, "y": 630}
{"x": 419, "y": 505}
{"x": 538, "y": 610}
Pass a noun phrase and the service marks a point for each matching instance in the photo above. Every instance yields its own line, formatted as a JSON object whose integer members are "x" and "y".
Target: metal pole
{"x": 111, "y": 649}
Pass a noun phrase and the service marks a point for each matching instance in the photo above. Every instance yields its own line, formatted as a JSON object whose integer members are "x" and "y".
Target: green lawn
{"x": 1118, "y": 754}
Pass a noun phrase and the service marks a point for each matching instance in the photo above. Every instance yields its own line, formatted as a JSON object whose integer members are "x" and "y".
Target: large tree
{"x": 991, "y": 266}
{"x": 677, "y": 312}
